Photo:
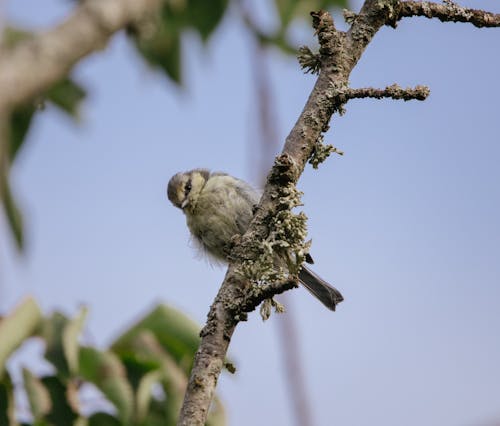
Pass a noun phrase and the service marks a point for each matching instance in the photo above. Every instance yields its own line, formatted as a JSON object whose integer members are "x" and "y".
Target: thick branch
{"x": 448, "y": 12}
{"x": 33, "y": 66}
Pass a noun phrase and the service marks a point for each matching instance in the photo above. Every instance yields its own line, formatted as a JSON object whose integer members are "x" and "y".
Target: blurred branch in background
{"x": 53, "y": 55}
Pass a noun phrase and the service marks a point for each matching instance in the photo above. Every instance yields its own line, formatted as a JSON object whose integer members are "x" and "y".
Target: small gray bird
{"x": 217, "y": 207}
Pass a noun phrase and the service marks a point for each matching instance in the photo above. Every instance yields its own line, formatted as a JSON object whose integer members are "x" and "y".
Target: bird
{"x": 219, "y": 206}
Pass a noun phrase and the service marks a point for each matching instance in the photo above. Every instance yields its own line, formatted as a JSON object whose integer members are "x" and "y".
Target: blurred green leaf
{"x": 145, "y": 348}
{"x": 67, "y": 95}
{"x": 103, "y": 419}
{"x": 286, "y": 9}
{"x": 19, "y": 125}
{"x": 81, "y": 421}
{"x": 62, "y": 413}
{"x": 70, "y": 335}
{"x": 177, "y": 334}
{"x": 38, "y": 395}
{"x": 144, "y": 394}
{"x": 12, "y": 213}
{"x": 159, "y": 42}
{"x": 7, "y": 406}
{"x": 105, "y": 370}
{"x": 163, "y": 50}
{"x": 205, "y": 16}
{"x": 16, "y": 328}
{"x": 52, "y": 331}
{"x": 143, "y": 380}
{"x": 12, "y": 36}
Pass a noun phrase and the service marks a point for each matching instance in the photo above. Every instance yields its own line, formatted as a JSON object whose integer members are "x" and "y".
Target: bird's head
{"x": 185, "y": 187}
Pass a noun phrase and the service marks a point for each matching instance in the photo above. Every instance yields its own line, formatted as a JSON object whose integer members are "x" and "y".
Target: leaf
{"x": 70, "y": 345}
{"x": 326, "y": 4}
{"x": 81, "y": 421}
{"x": 38, "y": 395}
{"x": 144, "y": 394}
{"x": 162, "y": 50}
{"x": 12, "y": 213}
{"x": 205, "y": 15}
{"x": 20, "y": 121}
{"x": 52, "y": 331}
{"x": 67, "y": 95}
{"x": 105, "y": 370}
{"x": 286, "y": 9}
{"x": 103, "y": 419}
{"x": 177, "y": 334}
{"x": 61, "y": 413}
{"x": 17, "y": 327}
{"x": 12, "y": 36}
{"x": 145, "y": 348}
{"x": 7, "y": 405}
{"x": 159, "y": 42}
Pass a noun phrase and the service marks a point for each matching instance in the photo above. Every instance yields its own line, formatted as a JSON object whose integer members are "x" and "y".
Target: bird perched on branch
{"x": 217, "y": 207}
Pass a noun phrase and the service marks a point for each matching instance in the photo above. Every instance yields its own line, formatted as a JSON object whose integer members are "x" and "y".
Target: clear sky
{"x": 406, "y": 224}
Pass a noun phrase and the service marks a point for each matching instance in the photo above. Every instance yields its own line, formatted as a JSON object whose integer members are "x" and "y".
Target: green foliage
{"x": 16, "y": 328}
{"x": 158, "y": 40}
{"x": 143, "y": 374}
{"x": 12, "y": 212}
{"x": 65, "y": 94}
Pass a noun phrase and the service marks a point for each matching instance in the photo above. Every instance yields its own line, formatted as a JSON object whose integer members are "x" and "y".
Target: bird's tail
{"x": 320, "y": 289}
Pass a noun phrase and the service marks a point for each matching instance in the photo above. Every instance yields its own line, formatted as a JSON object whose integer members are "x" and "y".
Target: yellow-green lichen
{"x": 310, "y": 62}
{"x": 266, "y": 308}
{"x": 283, "y": 251}
{"x": 321, "y": 152}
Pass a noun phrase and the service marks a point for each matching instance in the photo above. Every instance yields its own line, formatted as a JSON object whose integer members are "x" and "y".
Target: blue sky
{"x": 406, "y": 223}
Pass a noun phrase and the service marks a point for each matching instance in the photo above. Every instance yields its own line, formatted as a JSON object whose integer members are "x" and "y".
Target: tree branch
{"x": 448, "y": 12}
{"x": 339, "y": 52}
{"x": 33, "y": 66}
{"x": 394, "y": 91}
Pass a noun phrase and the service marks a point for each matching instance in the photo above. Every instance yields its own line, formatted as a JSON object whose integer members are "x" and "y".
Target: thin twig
{"x": 419, "y": 93}
{"x": 448, "y": 12}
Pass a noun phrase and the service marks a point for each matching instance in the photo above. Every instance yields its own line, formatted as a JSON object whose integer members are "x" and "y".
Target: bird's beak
{"x": 184, "y": 204}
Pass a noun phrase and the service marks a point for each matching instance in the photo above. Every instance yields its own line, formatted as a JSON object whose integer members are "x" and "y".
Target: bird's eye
{"x": 187, "y": 188}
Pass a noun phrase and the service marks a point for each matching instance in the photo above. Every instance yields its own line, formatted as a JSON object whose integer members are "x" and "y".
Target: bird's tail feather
{"x": 320, "y": 289}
